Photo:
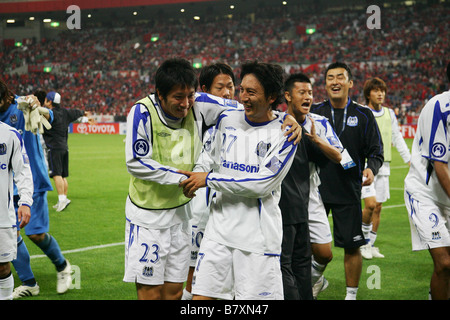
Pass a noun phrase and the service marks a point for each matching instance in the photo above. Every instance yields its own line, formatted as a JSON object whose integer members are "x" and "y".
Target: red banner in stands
{"x": 408, "y": 130}
{"x": 98, "y": 128}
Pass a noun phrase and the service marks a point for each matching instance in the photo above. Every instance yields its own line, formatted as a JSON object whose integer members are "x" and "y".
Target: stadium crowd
{"x": 103, "y": 70}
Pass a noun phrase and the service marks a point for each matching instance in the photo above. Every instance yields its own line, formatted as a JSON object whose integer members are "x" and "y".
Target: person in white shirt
{"x": 239, "y": 256}
{"x": 377, "y": 193}
{"x": 164, "y": 135}
{"x": 217, "y": 79}
{"x": 427, "y": 190}
{"x": 14, "y": 169}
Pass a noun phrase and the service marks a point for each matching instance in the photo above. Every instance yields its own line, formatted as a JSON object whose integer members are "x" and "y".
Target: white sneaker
{"x": 25, "y": 291}
{"x": 62, "y": 205}
{"x": 376, "y": 253}
{"x": 319, "y": 286}
{"x": 366, "y": 251}
{"x": 64, "y": 279}
{"x": 56, "y": 205}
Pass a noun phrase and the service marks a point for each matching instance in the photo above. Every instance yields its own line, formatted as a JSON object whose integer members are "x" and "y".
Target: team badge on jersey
{"x": 141, "y": 147}
{"x": 13, "y": 119}
{"x": 352, "y": 121}
{"x": 438, "y": 150}
{"x": 2, "y": 148}
{"x": 147, "y": 271}
{"x": 262, "y": 148}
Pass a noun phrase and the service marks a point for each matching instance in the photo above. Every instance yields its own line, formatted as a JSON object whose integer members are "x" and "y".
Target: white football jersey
{"x": 325, "y": 131}
{"x": 431, "y": 143}
{"x": 207, "y": 109}
{"x": 14, "y": 168}
{"x": 250, "y": 161}
{"x": 397, "y": 141}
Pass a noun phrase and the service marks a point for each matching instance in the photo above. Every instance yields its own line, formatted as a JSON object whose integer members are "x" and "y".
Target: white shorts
{"x": 319, "y": 226}
{"x": 429, "y": 222}
{"x": 379, "y": 189}
{"x": 155, "y": 256}
{"x": 225, "y": 273}
{"x": 197, "y": 236}
{"x": 8, "y": 244}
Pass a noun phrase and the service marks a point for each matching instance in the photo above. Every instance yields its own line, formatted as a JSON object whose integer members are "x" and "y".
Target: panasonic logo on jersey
{"x": 240, "y": 166}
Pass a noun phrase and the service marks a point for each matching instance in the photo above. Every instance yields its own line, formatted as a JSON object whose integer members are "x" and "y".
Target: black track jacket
{"x": 360, "y": 136}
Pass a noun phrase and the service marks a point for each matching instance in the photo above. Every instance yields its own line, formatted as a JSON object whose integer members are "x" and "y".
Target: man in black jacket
{"x": 56, "y": 142}
{"x": 313, "y": 151}
{"x": 358, "y": 131}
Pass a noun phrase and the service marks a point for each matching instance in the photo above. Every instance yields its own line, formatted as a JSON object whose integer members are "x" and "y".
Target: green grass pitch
{"x": 91, "y": 234}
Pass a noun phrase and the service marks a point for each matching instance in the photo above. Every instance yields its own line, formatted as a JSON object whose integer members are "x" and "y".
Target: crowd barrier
{"x": 407, "y": 130}
{"x": 98, "y": 128}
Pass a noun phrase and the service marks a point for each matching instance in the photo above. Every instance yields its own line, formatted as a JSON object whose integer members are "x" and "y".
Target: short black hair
{"x": 293, "y": 78}
{"x": 209, "y": 73}
{"x": 336, "y": 65}
{"x": 175, "y": 72}
{"x": 271, "y": 77}
{"x": 40, "y": 95}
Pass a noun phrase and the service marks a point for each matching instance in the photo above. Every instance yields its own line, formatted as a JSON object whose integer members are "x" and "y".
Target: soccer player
{"x": 377, "y": 193}
{"x": 340, "y": 186}
{"x": 14, "y": 169}
{"x": 216, "y": 79}
{"x": 427, "y": 190}
{"x": 164, "y": 132}
{"x": 57, "y": 147}
{"x": 38, "y": 227}
{"x": 304, "y": 217}
{"x": 239, "y": 254}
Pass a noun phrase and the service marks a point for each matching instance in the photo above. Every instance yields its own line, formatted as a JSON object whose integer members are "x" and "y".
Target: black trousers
{"x": 296, "y": 262}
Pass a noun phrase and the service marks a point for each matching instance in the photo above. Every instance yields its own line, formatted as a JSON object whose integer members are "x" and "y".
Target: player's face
{"x": 256, "y": 104}
{"x": 222, "y": 86}
{"x": 178, "y": 101}
{"x": 300, "y": 98}
{"x": 337, "y": 83}
{"x": 376, "y": 98}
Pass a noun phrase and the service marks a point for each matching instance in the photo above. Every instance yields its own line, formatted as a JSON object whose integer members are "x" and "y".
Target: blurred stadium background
{"x": 107, "y": 64}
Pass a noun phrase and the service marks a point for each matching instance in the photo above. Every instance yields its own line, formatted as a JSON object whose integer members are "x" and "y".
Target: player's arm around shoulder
{"x": 139, "y": 150}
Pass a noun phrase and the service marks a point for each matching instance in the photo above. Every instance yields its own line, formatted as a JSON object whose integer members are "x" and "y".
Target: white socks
{"x": 351, "y": 293}
{"x": 62, "y": 197}
{"x": 366, "y": 228}
{"x": 317, "y": 270}
{"x": 7, "y": 287}
{"x": 186, "y": 295}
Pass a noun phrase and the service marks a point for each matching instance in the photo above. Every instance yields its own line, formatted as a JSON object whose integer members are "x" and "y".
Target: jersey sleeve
{"x": 74, "y": 114}
{"x": 275, "y": 166}
{"x": 330, "y": 135}
{"x": 138, "y": 150}
{"x": 207, "y": 161}
{"x": 397, "y": 139}
{"x": 210, "y": 107}
{"x": 23, "y": 177}
{"x": 373, "y": 145}
{"x": 435, "y": 138}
